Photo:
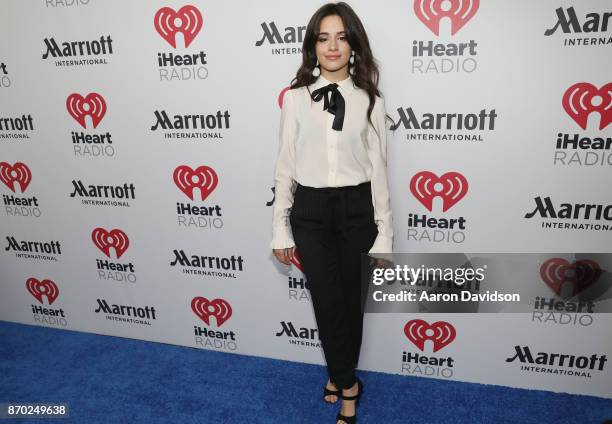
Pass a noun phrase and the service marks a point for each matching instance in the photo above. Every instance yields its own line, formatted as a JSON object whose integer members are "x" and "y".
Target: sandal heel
{"x": 356, "y": 398}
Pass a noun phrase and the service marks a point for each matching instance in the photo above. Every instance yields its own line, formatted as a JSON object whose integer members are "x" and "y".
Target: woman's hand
{"x": 380, "y": 262}
{"x": 286, "y": 255}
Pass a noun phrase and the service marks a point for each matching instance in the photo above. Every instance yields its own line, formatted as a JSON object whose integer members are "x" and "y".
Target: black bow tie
{"x": 334, "y": 104}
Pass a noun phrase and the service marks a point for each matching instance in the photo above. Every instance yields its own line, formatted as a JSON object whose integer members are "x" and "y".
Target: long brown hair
{"x": 365, "y": 70}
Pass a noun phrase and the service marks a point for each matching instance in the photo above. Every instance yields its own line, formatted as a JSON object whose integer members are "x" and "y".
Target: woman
{"x": 331, "y": 197}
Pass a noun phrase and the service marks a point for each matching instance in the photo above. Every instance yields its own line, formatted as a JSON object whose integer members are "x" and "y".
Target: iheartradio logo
{"x": 92, "y": 105}
{"x": 203, "y": 178}
{"x": 431, "y": 12}
{"x": 296, "y": 260}
{"x": 581, "y": 274}
{"x": 583, "y": 98}
{"x": 451, "y": 187}
{"x": 441, "y": 333}
{"x": 218, "y": 308}
{"x": 104, "y": 240}
{"x": 188, "y": 21}
{"x": 38, "y": 289}
{"x": 18, "y": 173}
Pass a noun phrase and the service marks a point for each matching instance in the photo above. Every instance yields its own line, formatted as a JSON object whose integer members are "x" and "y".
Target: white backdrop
{"x": 245, "y": 56}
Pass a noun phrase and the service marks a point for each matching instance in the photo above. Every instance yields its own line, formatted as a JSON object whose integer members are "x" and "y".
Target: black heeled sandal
{"x": 352, "y": 419}
{"x": 327, "y": 392}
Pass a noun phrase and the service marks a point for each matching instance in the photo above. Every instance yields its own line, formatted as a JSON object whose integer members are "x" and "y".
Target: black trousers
{"x": 332, "y": 227}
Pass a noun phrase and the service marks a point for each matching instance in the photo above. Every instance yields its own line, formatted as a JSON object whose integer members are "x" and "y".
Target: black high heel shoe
{"x": 352, "y": 419}
{"x": 328, "y": 392}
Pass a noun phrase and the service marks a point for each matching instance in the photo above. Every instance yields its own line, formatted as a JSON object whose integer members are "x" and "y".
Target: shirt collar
{"x": 345, "y": 86}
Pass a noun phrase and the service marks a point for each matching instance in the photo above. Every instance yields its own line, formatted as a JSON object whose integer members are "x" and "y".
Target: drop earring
{"x": 352, "y": 63}
{"x": 316, "y": 71}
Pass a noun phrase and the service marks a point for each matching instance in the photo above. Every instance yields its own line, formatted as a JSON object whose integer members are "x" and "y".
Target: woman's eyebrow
{"x": 327, "y": 33}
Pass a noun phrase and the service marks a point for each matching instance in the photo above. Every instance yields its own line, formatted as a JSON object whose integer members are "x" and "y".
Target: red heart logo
{"x": 218, "y": 308}
{"x": 441, "y": 333}
{"x": 188, "y": 21}
{"x": 19, "y": 173}
{"x": 453, "y": 187}
{"x": 91, "y": 105}
{"x": 104, "y": 240}
{"x": 281, "y": 96}
{"x": 580, "y": 274}
{"x": 203, "y": 177}
{"x": 583, "y": 98}
{"x": 296, "y": 260}
{"x": 431, "y": 12}
{"x": 38, "y": 289}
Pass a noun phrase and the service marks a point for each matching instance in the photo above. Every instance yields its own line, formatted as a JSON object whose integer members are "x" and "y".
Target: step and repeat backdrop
{"x": 137, "y": 150}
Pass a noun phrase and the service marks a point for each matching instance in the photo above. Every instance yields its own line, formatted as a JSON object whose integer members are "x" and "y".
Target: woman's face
{"x": 332, "y": 47}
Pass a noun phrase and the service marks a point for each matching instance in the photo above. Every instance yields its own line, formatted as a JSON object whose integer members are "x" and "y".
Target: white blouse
{"x": 313, "y": 154}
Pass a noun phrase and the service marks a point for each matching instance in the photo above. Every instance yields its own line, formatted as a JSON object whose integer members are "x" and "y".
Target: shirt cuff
{"x": 282, "y": 238}
{"x": 382, "y": 244}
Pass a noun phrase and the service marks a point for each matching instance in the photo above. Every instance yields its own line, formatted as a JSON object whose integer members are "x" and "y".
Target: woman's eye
{"x": 323, "y": 40}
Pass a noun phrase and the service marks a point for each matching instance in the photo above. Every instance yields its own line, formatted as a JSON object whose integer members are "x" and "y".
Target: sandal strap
{"x": 360, "y": 388}
{"x": 350, "y": 397}
{"x": 348, "y": 420}
{"x": 330, "y": 392}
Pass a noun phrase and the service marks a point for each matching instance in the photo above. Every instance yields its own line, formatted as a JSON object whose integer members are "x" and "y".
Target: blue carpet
{"x": 111, "y": 379}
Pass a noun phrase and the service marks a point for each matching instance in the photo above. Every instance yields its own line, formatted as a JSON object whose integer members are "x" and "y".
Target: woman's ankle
{"x": 353, "y": 389}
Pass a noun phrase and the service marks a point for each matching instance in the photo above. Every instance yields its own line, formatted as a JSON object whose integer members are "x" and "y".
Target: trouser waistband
{"x": 358, "y": 187}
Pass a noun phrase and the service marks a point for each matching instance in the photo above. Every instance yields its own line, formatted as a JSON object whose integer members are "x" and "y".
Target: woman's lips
{"x": 332, "y": 57}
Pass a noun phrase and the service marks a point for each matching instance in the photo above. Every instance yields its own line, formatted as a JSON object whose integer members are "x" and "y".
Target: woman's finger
{"x": 291, "y": 253}
{"x": 284, "y": 256}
